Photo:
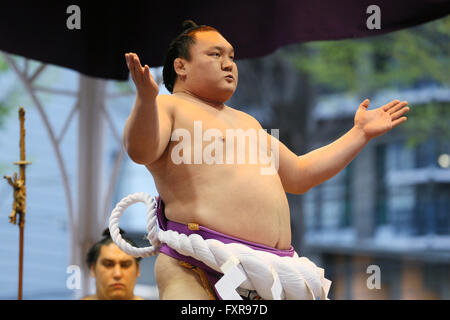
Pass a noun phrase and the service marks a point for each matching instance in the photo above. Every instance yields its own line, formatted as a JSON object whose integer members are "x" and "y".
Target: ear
{"x": 92, "y": 269}
{"x": 179, "y": 65}
{"x": 138, "y": 269}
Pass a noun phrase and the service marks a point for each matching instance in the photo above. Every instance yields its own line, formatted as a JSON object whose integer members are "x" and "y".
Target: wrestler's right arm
{"x": 148, "y": 128}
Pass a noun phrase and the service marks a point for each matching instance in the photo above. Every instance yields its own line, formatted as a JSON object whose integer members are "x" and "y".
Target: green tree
{"x": 407, "y": 58}
{"x": 403, "y": 58}
{"x": 5, "y": 110}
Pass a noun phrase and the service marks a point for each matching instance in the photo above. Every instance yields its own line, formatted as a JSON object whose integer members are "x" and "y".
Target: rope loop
{"x": 152, "y": 225}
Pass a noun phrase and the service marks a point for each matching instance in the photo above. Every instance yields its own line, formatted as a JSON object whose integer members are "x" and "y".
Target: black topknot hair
{"x": 188, "y": 24}
{"x": 107, "y": 234}
{"x": 94, "y": 252}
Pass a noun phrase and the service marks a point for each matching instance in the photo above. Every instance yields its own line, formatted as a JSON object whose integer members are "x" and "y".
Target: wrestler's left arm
{"x": 299, "y": 174}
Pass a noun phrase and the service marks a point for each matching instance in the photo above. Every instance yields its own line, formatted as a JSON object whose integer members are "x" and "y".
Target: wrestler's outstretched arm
{"x": 300, "y": 174}
{"x": 147, "y": 130}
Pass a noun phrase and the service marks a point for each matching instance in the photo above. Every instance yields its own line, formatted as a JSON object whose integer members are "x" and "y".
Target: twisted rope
{"x": 152, "y": 225}
{"x": 299, "y": 277}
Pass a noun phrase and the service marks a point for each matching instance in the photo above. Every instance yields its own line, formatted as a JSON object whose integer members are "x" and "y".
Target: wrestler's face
{"x": 212, "y": 62}
{"x": 115, "y": 273}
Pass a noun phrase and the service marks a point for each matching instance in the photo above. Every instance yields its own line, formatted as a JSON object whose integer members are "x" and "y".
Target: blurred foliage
{"x": 123, "y": 86}
{"x": 405, "y": 59}
{"x": 3, "y": 64}
{"x": 5, "y": 110}
{"x": 428, "y": 120}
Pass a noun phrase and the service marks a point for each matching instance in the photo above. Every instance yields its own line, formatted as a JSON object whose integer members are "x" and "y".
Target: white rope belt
{"x": 272, "y": 276}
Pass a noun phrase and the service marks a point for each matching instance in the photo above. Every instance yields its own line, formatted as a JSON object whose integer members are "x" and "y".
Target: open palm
{"x": 142, "y": 77}
{"x": 376, "y": 122}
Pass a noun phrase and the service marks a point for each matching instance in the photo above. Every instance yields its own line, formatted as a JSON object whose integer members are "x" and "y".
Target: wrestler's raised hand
{"x": 376, "y": 122}
{"x": 146, "y": 86}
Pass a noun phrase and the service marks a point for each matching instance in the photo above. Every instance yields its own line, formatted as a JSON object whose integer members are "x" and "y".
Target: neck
{"x": 188, "y": 94}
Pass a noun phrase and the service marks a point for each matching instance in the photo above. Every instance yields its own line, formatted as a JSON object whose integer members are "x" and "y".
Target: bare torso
{"x": 234, "y": 199}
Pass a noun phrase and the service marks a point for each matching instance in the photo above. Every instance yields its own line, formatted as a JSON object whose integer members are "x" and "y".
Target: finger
{"x": 126, "y": 60}
{"x": 399, "y": 113}
{"x": 398, "y": 121}
{"x": 129, "y": 61}
{"x": 137, "y": 59}
{"x": 137, "y": 67}
{"x": 131, "y": 67}
{"x": 386, "y": 107}
{"x": 397, "y": 107}
{"x": 365, "y": 103}
{"x": 129, "y": 64}
{"x": 147, "y": 74}
{"x": 137, "y": 63}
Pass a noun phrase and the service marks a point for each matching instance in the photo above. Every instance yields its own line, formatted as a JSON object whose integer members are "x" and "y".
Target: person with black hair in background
{"x": 115, "y": 272}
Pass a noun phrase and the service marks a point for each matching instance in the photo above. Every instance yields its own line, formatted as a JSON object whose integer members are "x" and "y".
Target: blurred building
{"x": 389, "y": 208}
{"x": 47, "y": 230}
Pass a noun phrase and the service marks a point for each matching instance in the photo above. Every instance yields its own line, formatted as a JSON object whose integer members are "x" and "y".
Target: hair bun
{"x": 106, "y": 232}
{"x": 188, "y": 24}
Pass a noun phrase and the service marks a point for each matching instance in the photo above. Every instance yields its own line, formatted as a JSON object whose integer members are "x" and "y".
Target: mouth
{"x": 229, "y": 77}
{"x": 117, "y": 285}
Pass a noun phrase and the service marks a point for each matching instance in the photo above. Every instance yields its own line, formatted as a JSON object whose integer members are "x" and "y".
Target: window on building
{"x": 443, "y": 209}
{"x": 401, "y": 202}
{"x": 329, "y": 206}
{"x": 381, "y": 207}
{"x": 419, "y": 207}
{"x": 426, "y": 154}
{"x": 399, "y": 156}
{"x": 431, "y": 214}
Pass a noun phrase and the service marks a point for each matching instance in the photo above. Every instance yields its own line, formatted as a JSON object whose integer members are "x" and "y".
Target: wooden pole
{"x": 22, "y": 214}
{"x": 19, "y": 204}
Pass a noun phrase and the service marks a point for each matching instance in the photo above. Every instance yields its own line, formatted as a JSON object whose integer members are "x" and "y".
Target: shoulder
{"x": 166, "y": 101}
{"x": 168, "y": 104}
{"x": 165, "y": 98}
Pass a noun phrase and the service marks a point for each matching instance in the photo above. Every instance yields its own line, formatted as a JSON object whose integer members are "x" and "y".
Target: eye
{"x": 126, "y": 264}
{"x": 216, "y": 54}
{"x": 108, "y": 264}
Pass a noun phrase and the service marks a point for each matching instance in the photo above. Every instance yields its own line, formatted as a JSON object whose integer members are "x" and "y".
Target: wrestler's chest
{"x": 190, "y": 116}
{"x": 211, "y": 125}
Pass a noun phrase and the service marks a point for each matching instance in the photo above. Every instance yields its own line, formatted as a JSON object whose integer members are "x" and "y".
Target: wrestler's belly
{"x": 236, "y": 200}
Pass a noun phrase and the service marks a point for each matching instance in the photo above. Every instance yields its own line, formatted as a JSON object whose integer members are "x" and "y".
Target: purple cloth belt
{"x": 212, "y": 275}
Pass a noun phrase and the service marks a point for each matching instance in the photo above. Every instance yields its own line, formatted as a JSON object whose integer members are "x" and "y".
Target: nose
{"x": 117, "y": 272}
{"x": 227, "y": 64}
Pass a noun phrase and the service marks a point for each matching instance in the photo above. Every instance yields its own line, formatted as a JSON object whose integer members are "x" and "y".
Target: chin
{"x": 119, "y": 296}
{"x": 224, "y": 94}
